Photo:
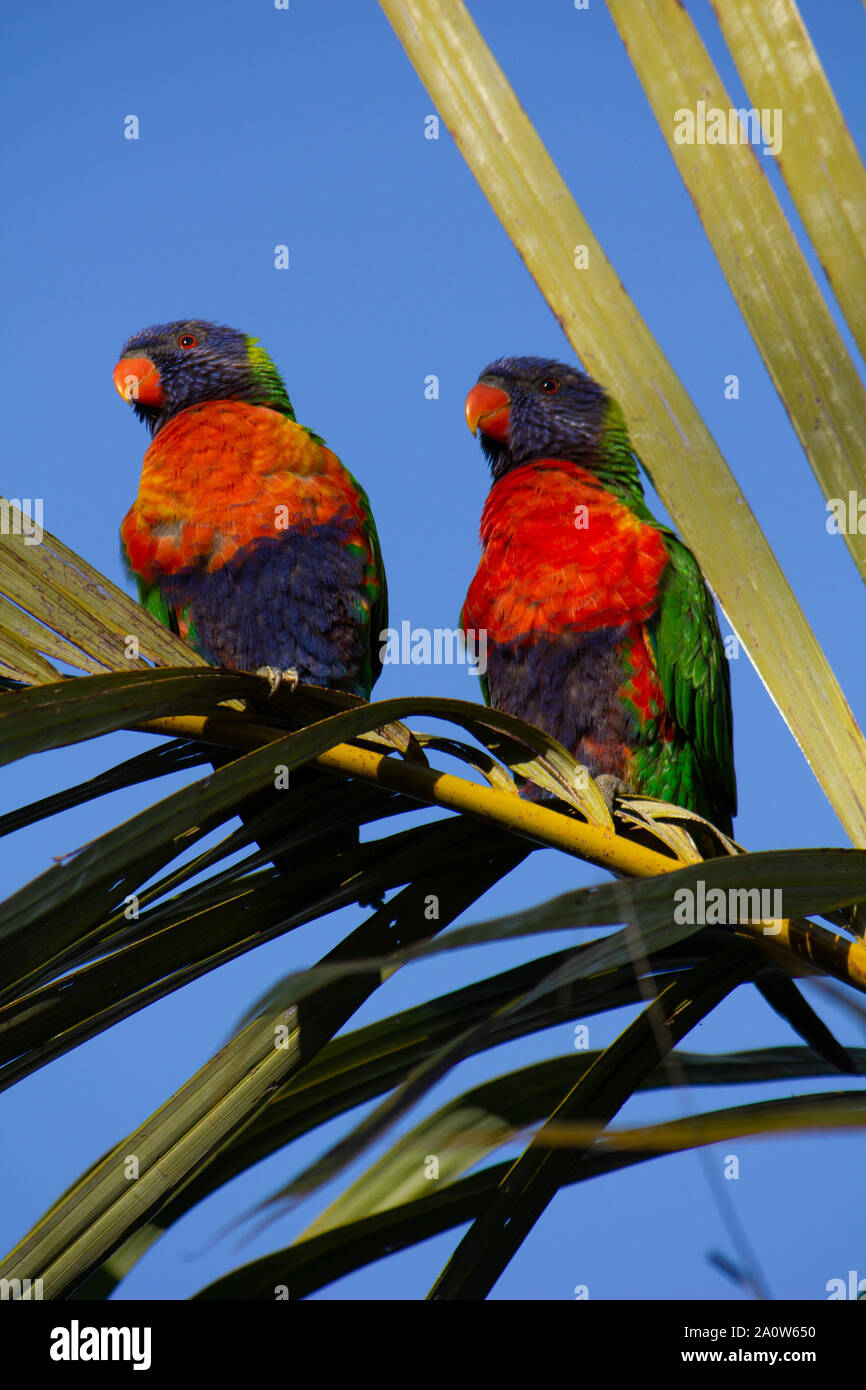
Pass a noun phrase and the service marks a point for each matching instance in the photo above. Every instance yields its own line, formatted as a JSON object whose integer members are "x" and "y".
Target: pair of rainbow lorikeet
{"x": 252, "y": 540}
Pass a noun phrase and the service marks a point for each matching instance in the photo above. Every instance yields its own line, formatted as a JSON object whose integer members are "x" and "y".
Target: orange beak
{"x": 488, "y": 409}
{"x": 137, "y": 379}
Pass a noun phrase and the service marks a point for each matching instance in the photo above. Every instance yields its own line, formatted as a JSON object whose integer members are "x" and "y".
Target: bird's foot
{"x": 275, "y": 678}
{"x": 611, "y": 787}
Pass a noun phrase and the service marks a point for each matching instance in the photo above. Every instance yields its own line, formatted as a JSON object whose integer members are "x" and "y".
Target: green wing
{"x": 379, "y": 610}
{"x": 375, "y": 589}
{"x": 695, "y": 676}
{"x": 686, "y": 642}
{"x": 150, "y": 598}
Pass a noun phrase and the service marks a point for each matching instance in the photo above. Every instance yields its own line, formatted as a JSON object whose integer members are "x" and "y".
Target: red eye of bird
{"x": 186, "y": 340}
{"x": 550, "y": 384}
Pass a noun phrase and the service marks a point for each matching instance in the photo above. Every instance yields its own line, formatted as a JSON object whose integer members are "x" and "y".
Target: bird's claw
{"x": 611, "y": 787}
{"x": 275, "y": 678}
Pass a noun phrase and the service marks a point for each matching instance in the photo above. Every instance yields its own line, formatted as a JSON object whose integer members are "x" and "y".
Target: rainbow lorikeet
{"x": 248, "y": 536}
{"x": 600, "y": 628}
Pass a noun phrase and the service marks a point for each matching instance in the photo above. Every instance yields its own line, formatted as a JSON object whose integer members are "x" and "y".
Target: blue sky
{"x": 305, "y": 127}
